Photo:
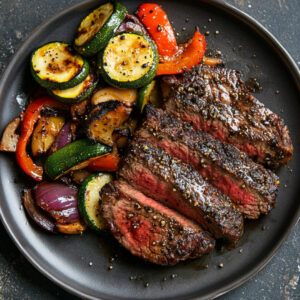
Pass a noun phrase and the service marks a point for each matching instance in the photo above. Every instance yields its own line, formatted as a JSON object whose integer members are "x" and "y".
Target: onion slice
{"x": 59, "y": 200}
{"x": 63, "y": 138}
{"x": 36, "y": 214}
{"x": 132, "y": 23}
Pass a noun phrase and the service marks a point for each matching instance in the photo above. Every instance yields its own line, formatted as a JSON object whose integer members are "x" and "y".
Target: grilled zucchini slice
{"x": 55, "y": 66}
{"x": 104, "y": 119}
{"x": 89, "y": 200}
{"x": 98, "y": 27}
{"x": 74, "y": 156}
{"x": 144, "y": 95}
{"x": 78, "y": 92}
{"x": 129, "y": 60}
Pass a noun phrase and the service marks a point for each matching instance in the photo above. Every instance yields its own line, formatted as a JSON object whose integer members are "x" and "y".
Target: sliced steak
{"x": 163, "y": 178}
{"x": 252, "y": 187}
{"x": 216, "y": 100}
{"x": 150, "y": 230}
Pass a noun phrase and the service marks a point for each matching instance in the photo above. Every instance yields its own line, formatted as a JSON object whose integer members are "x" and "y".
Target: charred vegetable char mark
{"x": 104, "y": 119}
{"x": 56, "y": 66}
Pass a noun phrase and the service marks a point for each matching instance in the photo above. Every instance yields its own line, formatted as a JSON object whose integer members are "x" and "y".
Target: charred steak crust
{"x": 163, "y": 178}
{"x": 216, "y": 100}
{"x": 199, "y": 150}
{"x": 149, "y": 230}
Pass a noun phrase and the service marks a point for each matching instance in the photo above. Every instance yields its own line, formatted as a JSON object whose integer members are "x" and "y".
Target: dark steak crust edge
{"x": 217, "y": 101}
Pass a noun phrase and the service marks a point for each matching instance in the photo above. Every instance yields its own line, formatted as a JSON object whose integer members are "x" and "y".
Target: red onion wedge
{"x": 63, "y": 138}
{"x": 36, "y": 214}
{"x": 59, "y": 200}
{"x": 132, "y": 23}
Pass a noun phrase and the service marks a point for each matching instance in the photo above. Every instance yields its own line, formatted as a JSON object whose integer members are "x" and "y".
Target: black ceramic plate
{"x": 246, "y": 46}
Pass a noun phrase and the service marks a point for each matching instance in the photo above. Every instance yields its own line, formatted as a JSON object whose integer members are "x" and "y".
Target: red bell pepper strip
{"x": 157, "y": 24}
{"x": 190, "y": 57}
{"x": 31, "y": 116}
{"x": 107, "y": 162}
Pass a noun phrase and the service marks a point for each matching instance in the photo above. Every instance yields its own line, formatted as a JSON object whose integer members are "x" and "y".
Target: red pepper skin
{"x": 31, "y": 116}
{"x": 191, "y": 56}
{"x": 108, "y": 162}
{"x": 157, "y": 24}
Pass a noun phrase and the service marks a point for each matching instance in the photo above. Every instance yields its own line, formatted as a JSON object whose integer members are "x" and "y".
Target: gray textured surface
{"x": 278, "y": 280}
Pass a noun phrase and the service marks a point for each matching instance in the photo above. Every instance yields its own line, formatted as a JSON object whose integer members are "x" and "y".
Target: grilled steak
{"x": 150, "y": 230}
{"x": 216, "y": 100}
{"x": 153, "y": 172}
{"x": 252, "y": 187}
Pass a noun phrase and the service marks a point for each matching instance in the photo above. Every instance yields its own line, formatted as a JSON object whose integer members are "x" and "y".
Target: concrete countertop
{"x": 278, "y": 280}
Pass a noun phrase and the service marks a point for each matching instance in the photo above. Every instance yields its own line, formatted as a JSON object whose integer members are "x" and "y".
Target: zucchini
{"x": 104, "y": 119}
{"x": 144, "y": 95}
{"x": 74, "y": 156}
{"x": 149, "y": 94}
{"x": 89, "y": 200}
{"x": 129, "y": 60}
{"x": 78, "y": 92}
{"x": 96, "y": 29}
{"x": 55, "y": 66}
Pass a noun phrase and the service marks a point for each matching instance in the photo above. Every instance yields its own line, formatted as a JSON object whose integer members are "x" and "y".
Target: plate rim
{"x": 249, "y": 22}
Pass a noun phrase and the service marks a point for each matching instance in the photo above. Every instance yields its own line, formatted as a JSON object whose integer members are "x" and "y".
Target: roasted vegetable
{"x": 127, "y": 96}
{"x": 104, "y": 119}
{"x": 129, "y": 60}
{"x": 64, "y": 137}
{"x": 79, "y": 109}
{"x": 77, "y": 93}
{"x": 108, "y": 162}
{"x": 191, "y": 56}
{"x": 31, "y": 116}
{"x": 89, "y": 200}
{"x": 59, "y": 200}
{"x": 55, "y": 66}
{"x": 121, "y": 136}
{"x": 73, "y": 228}
{"x": 10, "y": 138}
{"x": 75, "y": 156}
{"x": 156, "y": 22}
{"x": 44, "y": 134}
{"x": 148, "y": 94}
{"x": 132, "y": 23}
{"x": 98, "y": 27}
{"x": 36, "y": 213}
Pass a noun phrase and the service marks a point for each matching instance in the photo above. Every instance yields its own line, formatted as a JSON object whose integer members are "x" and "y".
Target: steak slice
{"x": 153, "y": 172}
{"x": 216, "y": 100}
{"x": 252, "y": 187}
{"x": 150, "y": 230}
